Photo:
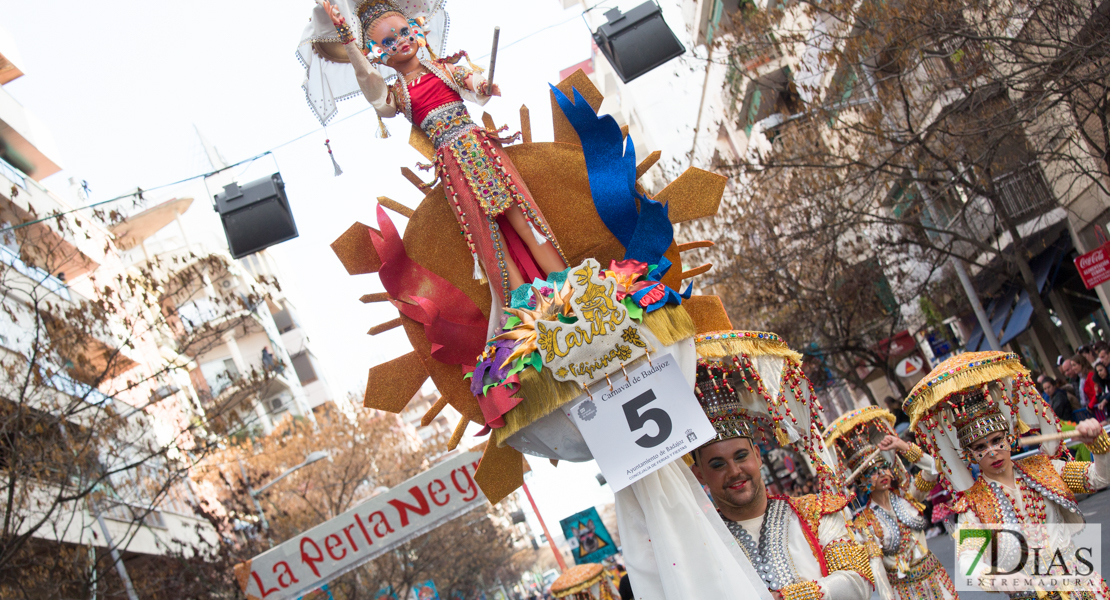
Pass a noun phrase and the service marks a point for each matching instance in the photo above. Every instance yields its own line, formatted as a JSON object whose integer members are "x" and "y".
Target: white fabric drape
{"x": 675, "y": 545}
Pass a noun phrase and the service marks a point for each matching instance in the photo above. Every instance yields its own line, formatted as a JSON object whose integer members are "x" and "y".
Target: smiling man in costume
{"x": 801, "y": 547}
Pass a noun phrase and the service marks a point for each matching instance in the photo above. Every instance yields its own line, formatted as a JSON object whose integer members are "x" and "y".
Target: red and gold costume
{"x": 979, "y": 394}
{"x": 895, "y": 537}
{"x": 479, "y": 179}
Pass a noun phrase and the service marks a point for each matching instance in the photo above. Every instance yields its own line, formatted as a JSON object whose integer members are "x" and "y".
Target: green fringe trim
{"x": 670, "y": 324}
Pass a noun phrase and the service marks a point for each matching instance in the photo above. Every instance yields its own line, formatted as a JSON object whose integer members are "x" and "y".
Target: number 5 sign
{"x": 641, "y": 424}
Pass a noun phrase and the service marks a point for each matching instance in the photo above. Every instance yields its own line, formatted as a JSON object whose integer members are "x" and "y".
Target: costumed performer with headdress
{"x": 507, "y": 234}
{"x": 970, "y": 409}
{"x": 894, "y": 516}
{"x": 751, "y": 387}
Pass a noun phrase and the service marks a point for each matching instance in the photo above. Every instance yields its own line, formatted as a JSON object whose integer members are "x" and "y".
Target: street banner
{"x": 589, "y": 539}
{"x": 639, "y": 423}
{"x": 1094, "y": 266}
{"x": 425, "y": 591}
{"x": 359, "y": 535}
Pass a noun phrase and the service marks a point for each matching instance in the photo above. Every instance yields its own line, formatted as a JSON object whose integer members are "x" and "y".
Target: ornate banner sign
{"x": 602, "y": 339}
{"x": 379, "y": 524}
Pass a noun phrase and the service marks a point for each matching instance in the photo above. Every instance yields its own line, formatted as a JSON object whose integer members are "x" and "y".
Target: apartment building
{"x": 778, "y": 88}
{"x": 97, "y": 402}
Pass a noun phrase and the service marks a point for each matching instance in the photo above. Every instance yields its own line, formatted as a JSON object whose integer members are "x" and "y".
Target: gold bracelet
{"x": 344, "y": 31}
{"x": 913, "y": 454}
{"x": 1075, "y": 476}
{"x": 922, "y": 484}
{"x": 802, "y": 590}
{"x": 1101, "y": 445}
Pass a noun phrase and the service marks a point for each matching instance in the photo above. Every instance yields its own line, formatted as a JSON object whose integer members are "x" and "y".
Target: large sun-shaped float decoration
{"x": 444, "y": 310}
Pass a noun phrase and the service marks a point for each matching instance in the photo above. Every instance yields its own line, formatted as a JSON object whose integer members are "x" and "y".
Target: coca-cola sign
{"x": 1094, "y": 266}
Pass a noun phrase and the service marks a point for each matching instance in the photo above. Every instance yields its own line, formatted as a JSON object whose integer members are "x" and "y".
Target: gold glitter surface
{"x": 356, "y": 251}
{"x": 525, "y": 125}
{"x": 434, "y": 240}
{"x": 448, "y": 378}
{"x": 556, "y": 176}
{"x": 500, "y": 472}
{"x": 392, "y": 384}
{"x": 708, "y": 313}
{"x": 423, "y": 144}
{"x": 564, "y": 131}
{"x": 242, "y": 575}
{"x": 694, "y": 195}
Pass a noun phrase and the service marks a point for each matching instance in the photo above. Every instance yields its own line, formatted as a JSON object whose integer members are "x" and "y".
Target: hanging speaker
{"x": 637, "y": 41}
{"x": 255, "y": 216}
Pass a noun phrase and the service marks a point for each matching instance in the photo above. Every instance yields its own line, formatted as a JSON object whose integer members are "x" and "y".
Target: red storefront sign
{"x": 1094, "y": 266}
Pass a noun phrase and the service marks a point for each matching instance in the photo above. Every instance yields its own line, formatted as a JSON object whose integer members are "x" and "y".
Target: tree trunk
{"x": 1055, "y": 342}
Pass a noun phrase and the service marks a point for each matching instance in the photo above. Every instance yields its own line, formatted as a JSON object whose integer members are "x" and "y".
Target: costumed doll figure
{"x": 751, "y": 387}
{"x": 893, "y": 519}
{"x": 507, "y": 234}
{"x": 970, "y": 409}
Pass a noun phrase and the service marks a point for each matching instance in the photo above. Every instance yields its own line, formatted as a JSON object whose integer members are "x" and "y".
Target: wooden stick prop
{"x": 493, "y": 57}
{"x": 861, "y": 469}
{"x": 1037, "y": 440}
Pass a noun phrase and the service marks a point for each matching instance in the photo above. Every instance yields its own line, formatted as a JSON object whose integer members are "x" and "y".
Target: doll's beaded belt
{"x": 447, "y": 123}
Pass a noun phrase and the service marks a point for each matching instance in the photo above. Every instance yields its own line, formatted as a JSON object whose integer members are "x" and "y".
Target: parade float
{"x": 590, "y": 356}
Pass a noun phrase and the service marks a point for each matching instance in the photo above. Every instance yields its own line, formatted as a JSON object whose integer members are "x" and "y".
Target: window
{"x": 305, "y": 367}
{"x": 284, "y": 319}
{"x": 195, "y": 313}
{"x": 219, "y": 374}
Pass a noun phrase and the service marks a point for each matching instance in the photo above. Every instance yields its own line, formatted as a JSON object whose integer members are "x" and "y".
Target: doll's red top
{"x": 428, "y": 93}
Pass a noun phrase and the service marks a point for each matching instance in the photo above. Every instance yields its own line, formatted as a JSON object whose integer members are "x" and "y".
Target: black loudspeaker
{"x": 638, "y": 41}
{"x": 255, "y": 216}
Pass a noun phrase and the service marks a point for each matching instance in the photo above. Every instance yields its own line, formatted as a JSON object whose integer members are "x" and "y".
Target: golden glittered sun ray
{"x": 556, "y": 175}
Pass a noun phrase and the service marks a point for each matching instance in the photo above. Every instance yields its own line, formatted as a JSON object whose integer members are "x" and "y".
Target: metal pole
{"x": 250, "y": 492}
{"x": 965, "y": 281}
{"x": 493, "y": 56}
{"x": 550, "y": 542}
{"x": 120, "y": 567}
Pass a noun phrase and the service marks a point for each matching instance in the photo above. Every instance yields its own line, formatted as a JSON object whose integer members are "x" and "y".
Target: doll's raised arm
{"x": 370, "y": 81}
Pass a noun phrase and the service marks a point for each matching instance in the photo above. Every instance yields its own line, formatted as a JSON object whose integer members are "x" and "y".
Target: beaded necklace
{"x": 771, "y": 556}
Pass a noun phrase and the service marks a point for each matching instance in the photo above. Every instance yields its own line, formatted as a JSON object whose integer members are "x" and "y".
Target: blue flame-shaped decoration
{"x": 611, "y": 164}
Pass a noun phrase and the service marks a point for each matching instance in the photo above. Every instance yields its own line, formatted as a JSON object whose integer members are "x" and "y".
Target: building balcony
{"x": 1025, "y": 193}
{"x": 24, "y": 141}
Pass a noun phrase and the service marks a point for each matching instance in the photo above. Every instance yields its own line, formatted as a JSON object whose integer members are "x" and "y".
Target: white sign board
{"x": 330, "y": 549}
{"x": 641, "y": 424}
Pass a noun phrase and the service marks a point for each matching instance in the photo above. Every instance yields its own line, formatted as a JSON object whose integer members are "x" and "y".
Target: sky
{"x": 124, "y": 87}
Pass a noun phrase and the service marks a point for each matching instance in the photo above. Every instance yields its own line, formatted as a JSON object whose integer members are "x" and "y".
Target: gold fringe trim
{"x": 751, "y": 347}
{"x": 542, "y": 394}
{"x": 1022, "y": 427}
{"x": 688, "y": 459}
{"x": 964, "y": 379}
{"x": 670, "y": 324}
{"x": 850, "y": 421}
